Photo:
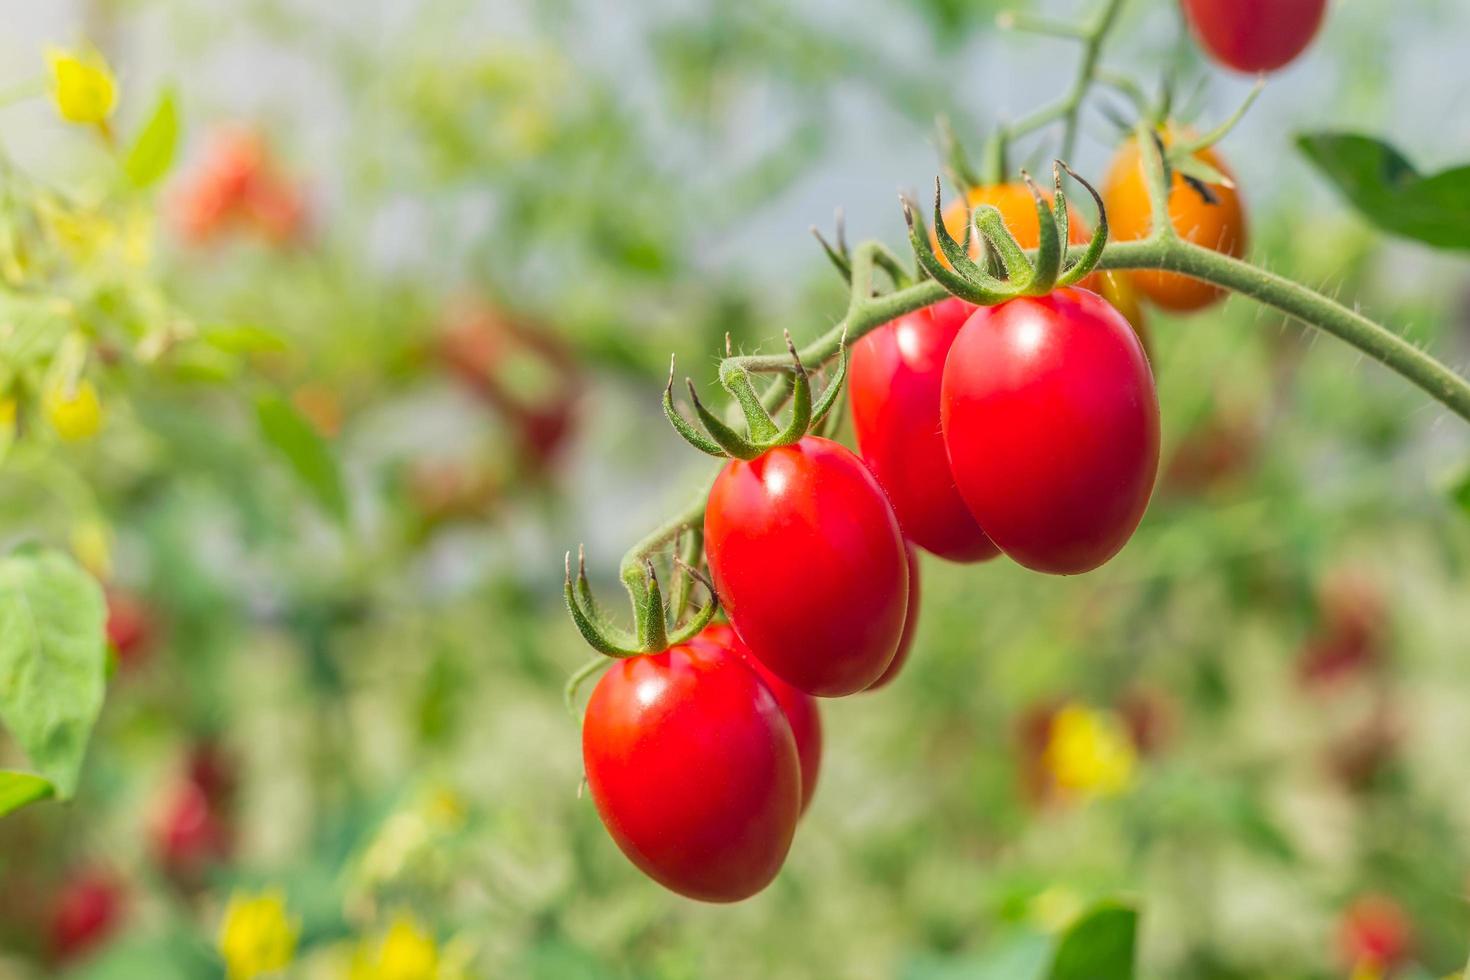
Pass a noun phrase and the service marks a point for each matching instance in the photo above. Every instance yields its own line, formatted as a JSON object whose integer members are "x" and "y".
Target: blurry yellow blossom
{"x": 256, "y": 936}
{"x": 1055, "y": 908}
{"x": 74, "y": 413}
{"x": 91, "y": 543}
{"x": 404, "y": 952}
{"x": 8, "y": 410}
{"x": 1088, "y": 752}
{"x": 82, "y": 85}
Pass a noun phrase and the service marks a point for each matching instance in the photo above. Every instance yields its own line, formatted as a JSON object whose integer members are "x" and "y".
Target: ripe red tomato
{"x": 694, "y": 770}
{"x": 1219, "y": 225}
{"x": 910, "y": 623}
{"x": 809, "y": 564}
{"x": 1374, "y": 933}
{"x": 85, "y": 912}
{"x": 1052, "y": 425}
{"x": 1254, "y": 35}
{"x": 190, "y": 833}
{"x": 894, "y": 377}
{"x": 130, "y": 627}
{"x": 799, "y": 707}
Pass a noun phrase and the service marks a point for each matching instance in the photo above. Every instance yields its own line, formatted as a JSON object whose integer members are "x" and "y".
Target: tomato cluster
{"x": 1028, "y": 429}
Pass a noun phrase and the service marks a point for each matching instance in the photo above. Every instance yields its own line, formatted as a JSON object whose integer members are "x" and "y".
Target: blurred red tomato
{"x": 239, "y": 185}
{"x": 527, "y": 375}
{"x": 132, "y": 627}
{"x": 1351, "y": 638}
{"x": 85, "y": 912}
{"x": 1213, "y": 454}
{"x": 191, "y": 833}
{"x": 1375, "y": 933}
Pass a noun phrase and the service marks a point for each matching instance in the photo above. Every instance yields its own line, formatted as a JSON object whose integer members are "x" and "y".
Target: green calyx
{"x": 762, "y": 432}
{"x": 1006, "y": 270}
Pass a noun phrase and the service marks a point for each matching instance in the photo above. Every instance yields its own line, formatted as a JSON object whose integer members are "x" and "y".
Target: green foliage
{"x": 304, "y": 450}
{"x": 153, "y": 151}
{"x": 1099, "y": 946}
{"x": 53, "y": 663}
{"x": 1385, "y": 188}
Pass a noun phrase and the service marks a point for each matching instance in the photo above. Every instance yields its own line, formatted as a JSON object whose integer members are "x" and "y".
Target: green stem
{"x": 1162, "y": 253}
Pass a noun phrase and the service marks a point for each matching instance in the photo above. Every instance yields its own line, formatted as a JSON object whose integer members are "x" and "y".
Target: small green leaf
{"x": 152, "y": 153}
{"x": 244, "y": 339}
{"x": 53, "y": 661}
{"x": 1098, "y": 946}
{"x": 1384, "y": 186}
{"x": 1460, "y": 492}
{"x": 1193, "y": 166}
{"x": 305, "y": 450}
{"x": 19, "y": 788}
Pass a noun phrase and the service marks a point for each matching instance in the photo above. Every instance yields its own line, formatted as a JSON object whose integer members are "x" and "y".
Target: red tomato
{"x": 809, "y": 564}
{"x": 130, "y": 627}
{"x": 1374, "y": 932}
{"x": 694, "y": 770}
{"x": 894, "y": 378}
{"x": 800, "y": 708}
{"x": 1052, "y": 425}
{"x": 190, "y": 833}
{"x": 1254, "y": 35}
{"x": 910, "y": 623}
{"x": 86, "y": 911}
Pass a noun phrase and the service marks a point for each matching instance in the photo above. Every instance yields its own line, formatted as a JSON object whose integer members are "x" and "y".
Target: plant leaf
{"x": 1098, "y": 946}
{"x": 1387, "y": 190}
{"x": 53, "y": 662}
{"x": 19, "y": 788}
{"x": 308, "y": 454}
{"x": 152, "y": 153}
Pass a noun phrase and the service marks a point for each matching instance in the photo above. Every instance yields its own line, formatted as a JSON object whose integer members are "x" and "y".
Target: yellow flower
{"x": 91, "y": 542}
{"x": 1089, "y": 752}
{"x": 82, "y": 86}
{"x": 256, "y": 936}
{"x": 406, "y": 952}
{"x": 8, "y": 410}
{"x": 75, "y": 414}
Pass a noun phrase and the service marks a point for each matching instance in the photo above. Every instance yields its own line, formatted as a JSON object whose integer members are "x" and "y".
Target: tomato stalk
{"x": 1163, "y": 250}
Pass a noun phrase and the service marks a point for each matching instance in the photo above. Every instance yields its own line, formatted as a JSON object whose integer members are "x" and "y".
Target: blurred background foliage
{"x": 387, "y": 337}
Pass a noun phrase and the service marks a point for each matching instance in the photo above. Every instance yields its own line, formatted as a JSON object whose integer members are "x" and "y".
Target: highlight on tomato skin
{"x": 1254, "y": 36}
{"x": 808, "y": 560}
{"x": 694, "y": 770}
{"x": 894, "y": 376}
{"x": 1051, "y": 421}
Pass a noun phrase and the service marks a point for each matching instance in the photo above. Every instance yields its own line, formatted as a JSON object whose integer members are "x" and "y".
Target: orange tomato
{"x": 1118, "y": 289}
{"x": 1220, "y": 226}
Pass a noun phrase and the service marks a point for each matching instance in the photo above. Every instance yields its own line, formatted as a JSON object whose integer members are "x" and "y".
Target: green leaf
{"x": 1098, "y": 946}
{"x": 152, "y": 153}
{"x": 305, "y": 450}
{"x": 53, "y": 661}
{"x": 19, "y": 788}
{"x": 1384, "y": 186}
{"x": 1460, "y": 492}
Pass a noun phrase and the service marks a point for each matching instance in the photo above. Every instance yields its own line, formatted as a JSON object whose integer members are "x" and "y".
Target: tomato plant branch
{"x": 1069, "y": 107}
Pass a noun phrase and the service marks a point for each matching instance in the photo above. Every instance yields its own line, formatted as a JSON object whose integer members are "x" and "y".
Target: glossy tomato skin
{"x": 694, "y": 770}
{"x": 893, "y": 383}
{"x": 1052, "y": 425}
{"x": 1220, "y": 226}
{"x": 808, "y": 560}
{"x": 799, "y": 707}
{"x": 1254, "y": 35}
{"x": 910, "y": 623}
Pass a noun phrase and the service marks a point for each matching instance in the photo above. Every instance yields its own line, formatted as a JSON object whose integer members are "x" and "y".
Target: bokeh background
{"x": 489, "y": 225}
